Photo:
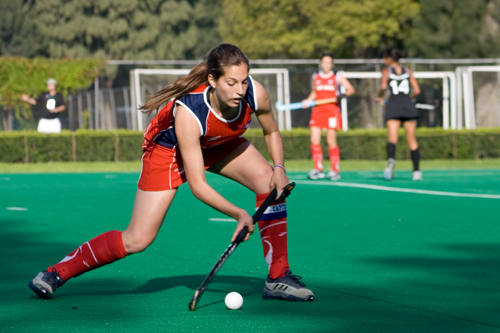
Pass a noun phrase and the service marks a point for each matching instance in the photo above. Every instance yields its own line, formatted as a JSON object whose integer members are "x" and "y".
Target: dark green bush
{"x": 122, "y": 145}
{"x": 434, "y": 143}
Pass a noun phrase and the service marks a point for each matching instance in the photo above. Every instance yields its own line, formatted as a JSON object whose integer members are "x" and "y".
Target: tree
{"x": 456, "y": 29}
{"x": 300, "y": 29}
{"x": 18, "y": 35}
{"x": 126, "y": 29}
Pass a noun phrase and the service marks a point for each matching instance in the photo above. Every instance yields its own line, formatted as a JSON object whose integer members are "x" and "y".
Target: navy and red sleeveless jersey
{"x": 214, "y": 129}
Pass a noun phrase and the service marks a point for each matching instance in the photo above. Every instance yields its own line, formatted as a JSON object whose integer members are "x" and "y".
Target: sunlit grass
{"x": 291, "y": 165}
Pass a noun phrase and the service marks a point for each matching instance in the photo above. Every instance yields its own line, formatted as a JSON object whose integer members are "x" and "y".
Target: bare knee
{"x": 332, "y": 140}
{"x": 413, "y": 145}
{"x": 135, "y": 242}
{"x": 263, "y": 179}
{"x": 315, "y": 136}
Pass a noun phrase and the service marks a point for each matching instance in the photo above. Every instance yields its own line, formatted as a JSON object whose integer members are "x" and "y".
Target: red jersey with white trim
{"x": 325, "y": 86}
{"x": 213, "y": 128}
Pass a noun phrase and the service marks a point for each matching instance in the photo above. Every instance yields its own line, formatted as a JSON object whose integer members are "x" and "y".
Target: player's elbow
{"x": 197, "y": 188}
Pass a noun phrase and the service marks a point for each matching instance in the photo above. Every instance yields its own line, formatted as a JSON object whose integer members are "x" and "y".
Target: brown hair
{"x": 394, "y": 54}
{"x": 219, "y": 57}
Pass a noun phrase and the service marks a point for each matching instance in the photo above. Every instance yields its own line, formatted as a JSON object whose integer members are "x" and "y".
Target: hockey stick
{"x": 295, "y": 106}
{"x": 242, "y": 234}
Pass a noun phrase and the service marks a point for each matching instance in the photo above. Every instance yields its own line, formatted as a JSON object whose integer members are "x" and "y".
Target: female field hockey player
{"x": 399, "y": 109}
{"x": 200, "y": 129}
{"x": 327, "y": 116}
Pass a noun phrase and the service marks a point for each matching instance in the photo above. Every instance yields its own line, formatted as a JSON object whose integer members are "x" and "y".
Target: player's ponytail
{"x": 178, "y": 88}
{"x": 219, "y": 57}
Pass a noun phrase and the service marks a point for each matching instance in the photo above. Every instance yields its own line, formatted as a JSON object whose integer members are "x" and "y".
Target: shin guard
{"x": 317, "y": 157}
{"x": 97, "y": 252}
{"x": 273, "y": 233}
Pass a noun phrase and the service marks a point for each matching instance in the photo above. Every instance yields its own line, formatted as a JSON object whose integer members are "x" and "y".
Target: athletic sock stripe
{"x": 272, "y": 225}
{"x": 273, "y": 212}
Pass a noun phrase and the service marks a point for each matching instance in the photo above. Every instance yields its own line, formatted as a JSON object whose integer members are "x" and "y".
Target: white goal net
{"x": 436, "y": 104}
{"x": 145, "y": 82}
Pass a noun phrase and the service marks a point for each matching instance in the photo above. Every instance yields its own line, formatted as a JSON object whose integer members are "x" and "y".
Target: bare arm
{"x": 311, "y": 97}
{"x": 272, "y": 137}
{"x": 414, "y": 85}
{"x": 60, "y": 108}
{"x": 188, "y": 133}
{"x": 349, "y": 89}
{"x": 29, "y": 99}
{"x": 383, "y": 87}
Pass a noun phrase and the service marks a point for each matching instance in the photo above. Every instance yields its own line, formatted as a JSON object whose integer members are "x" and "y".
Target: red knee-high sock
{"x": 97, "y": 252}
{"x": 317, "y": 156}
{"x": 272, "y": 227}
{"x": 335, "y": 158}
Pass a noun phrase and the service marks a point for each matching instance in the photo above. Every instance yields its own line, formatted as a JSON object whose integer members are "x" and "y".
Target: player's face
{"x": 326, "y": 64}
{"x": 388, "y": 61}
{"x": 232, "y": 86}
{"x": 51, "y": 87}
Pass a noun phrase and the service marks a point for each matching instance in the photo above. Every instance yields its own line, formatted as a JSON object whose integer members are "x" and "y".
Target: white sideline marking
{"x": 406, "y": 190}
{"x": 216, "y": 219}
{"x": 17, "y": 208}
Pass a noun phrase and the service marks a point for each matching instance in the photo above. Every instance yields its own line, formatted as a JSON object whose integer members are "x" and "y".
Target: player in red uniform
{"x": 327, "y": 116}
{"x": 201, "y": 129}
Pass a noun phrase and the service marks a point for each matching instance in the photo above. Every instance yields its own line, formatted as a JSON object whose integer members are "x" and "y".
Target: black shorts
{"x": 402, "y": 120}
{"x": 401, "y": 110}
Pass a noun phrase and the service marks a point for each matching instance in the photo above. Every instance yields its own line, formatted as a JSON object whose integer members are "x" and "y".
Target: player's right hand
{"x": 244, "y": 220}
{"x": 380, "y": 100}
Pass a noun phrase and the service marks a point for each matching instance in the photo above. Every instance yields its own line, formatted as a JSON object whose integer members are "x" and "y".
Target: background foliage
{"x": 117, "y": 29}
{"x": 456, "y": 29}
{"x": 122, "y": 145}
{"x": 299, "y": 29}
{"x": 187, "y": 29}
{"x": 29, "y": 76}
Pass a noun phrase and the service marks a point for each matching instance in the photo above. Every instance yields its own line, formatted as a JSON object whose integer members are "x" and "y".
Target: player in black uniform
{"x": 399, "y": 109}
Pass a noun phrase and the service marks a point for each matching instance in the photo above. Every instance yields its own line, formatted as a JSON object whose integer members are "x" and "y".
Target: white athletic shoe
{"x": 316, "y": 174}
{"x": 389, "y": 169}
{"x": 332, "y": 175}
{"x": 417, "y": 175}
{"x": 288, "y": 288}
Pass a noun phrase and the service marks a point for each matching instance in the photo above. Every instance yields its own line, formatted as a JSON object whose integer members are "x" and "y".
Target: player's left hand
{"x": 279, "y": 180}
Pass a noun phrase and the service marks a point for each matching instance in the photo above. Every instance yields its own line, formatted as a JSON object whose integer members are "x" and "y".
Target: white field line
{"x": 396, "y": 189}
{"x": 216, "y": 219}
{"x": 432, "y": 174}
{"x": 17, "y": 208}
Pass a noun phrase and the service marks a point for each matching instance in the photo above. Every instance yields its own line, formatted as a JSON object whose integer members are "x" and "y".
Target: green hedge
{"x": 84, "y": 145}
{"x": 371, "y": 144}
{"x": 122, "y": 145}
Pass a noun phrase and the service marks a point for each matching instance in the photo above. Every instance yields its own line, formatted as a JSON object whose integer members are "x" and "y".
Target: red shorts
{"x": 162, "y": 167}
{"x": 326, "y": 119}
